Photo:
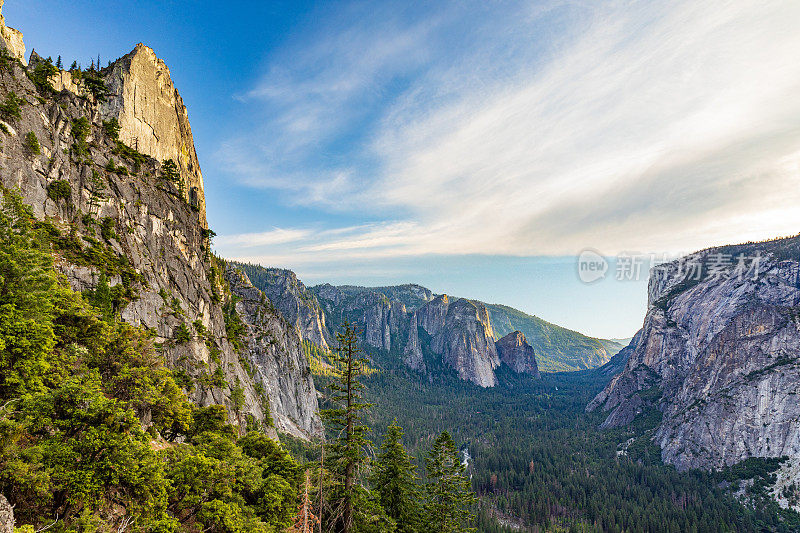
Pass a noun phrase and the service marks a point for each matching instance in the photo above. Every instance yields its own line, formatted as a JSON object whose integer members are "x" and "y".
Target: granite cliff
{"x": 409, "y": 320}
{"x": 717, "y": 356}
{"x": 11, "y": 39}
{"x": 272, "y": 346}
{"x": 294, "y": 301}
{"x": 515, "y": 352}
{"x": 115, "y": 218}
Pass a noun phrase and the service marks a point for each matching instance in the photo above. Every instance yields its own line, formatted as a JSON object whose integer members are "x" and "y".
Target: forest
{"x": 540, "y": 463}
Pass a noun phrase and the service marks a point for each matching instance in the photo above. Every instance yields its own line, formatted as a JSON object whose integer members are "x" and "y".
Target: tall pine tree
{"x": 448, "y": 491}
{"x": 396, "y": 482}
{"x": 345, "y": 421}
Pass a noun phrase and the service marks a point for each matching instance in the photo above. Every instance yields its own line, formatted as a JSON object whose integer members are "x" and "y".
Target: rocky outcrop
{"x": 152, "y": 116}
{"x": 719, "y": 356}
{"x": 462, "y": 334}
{"x": 375, "y": 315}
{"x": 135, "y": 229}
{"x": 6, "y": 516}
{"x": 297, "y": 304}
{"x": 557, "y": 349}
{"x": 409, "y": 321}
{"x": 11, "y": 39}
{"x": 412, "y": 353}
{"x": 458, "y": 331}
{"x": 276, "y": 360}
{"x": 515, "y": 352}
{"x": 432, "y": 316}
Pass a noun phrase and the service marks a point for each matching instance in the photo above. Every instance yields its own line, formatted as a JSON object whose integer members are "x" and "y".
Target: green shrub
{"x": 107, "y": 228}
{"x": 81, "y": 128}
{"x": 234, "y": 327}
{"x": 95, "y": 85}
{"x": 113, "y": 168}
{"x": 32, "y": 144}
{"x": 40, "y": 75}
{"x": 111, "y": 128}
{"x": 11, "y": 108}
{"x": 182, "y": 334}
{"x": 59, "y": 190}
{"x": 6, "y": 60}
{"x": 129, "y": 153}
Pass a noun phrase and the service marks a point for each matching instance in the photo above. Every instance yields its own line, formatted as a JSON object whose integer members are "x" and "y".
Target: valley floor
{"x": 540, "y": 463}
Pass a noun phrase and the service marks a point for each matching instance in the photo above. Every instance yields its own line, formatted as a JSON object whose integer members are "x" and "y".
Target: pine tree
{"x": 395, "y": 480}
{"x": 348, "y": 448}
{"x": 171, "y": 172}
{"x": 449, "y": 495}
{"x": 59, "y": 64}
{"x": 306, "y": 520}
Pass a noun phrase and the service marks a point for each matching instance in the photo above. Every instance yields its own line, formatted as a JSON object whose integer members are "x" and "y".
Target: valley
{"x": 149, "y": 384}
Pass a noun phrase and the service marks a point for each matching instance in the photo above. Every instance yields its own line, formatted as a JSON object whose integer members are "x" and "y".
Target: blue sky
{"x": 473, "y": 147}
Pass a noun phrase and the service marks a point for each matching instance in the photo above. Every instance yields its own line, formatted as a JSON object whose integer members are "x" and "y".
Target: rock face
{"x": 138, "y": 231}
{"x": 296, "y": 303}
{"x": 466, "y": 342}
{"x": 412, "y": 353}
{"x": 11, "y": 38}
{"x": 457, "y": 330}
{"x": 718, "y": 356}
{"x": 557, "y": 348}
{"x": 515, "y": 352}
{"x": 274, "y": 349}
{"x": 375, "y": 315}
{"x": 6, "y": 516}
{"x": 152, "y": 116}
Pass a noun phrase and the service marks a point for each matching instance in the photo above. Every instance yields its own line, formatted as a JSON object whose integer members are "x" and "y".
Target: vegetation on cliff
{"x": 94, "y": 431}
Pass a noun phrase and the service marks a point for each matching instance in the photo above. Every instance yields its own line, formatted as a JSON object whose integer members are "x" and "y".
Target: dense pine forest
{"x": 539, "y": 463}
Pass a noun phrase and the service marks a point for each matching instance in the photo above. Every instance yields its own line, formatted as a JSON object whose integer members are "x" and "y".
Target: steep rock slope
{"x": 462, "y": 334}
{"x": 273, "y": 347}
{"x": 718, "y": 356}
{"x": 297, "y": 304}
{"x": 152, "y": 116}
{"x": 407, "y": 319}
{"x": 122, "y": 224}
{"x": 11, "y": 39}
{"x": 556, "y": 348}
{"x": 374, "y": 314}
{"x": 515, "y": 352}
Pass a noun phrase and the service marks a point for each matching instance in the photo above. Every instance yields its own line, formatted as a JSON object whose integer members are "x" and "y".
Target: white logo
{"x": 591, "y": 266}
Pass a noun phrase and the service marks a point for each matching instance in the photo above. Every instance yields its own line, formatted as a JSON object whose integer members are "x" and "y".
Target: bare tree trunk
{"x": 321, "y": 492}
{"x": 349, "y": 474}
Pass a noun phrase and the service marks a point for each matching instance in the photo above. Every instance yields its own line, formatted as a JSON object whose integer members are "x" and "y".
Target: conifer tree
{"x": 306, "y": 520}
{"x": 449, "y": 495}
{"x": 396, "y": 482}
{"x": 348, "y": 447}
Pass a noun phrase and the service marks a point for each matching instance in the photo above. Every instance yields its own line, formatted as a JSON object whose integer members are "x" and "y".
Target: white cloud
{"x": 637, "y": 126}
{"x": 264, "y": 238}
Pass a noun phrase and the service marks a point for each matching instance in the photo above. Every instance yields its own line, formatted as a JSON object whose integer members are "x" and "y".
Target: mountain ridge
{"x": 718, "y": 357}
